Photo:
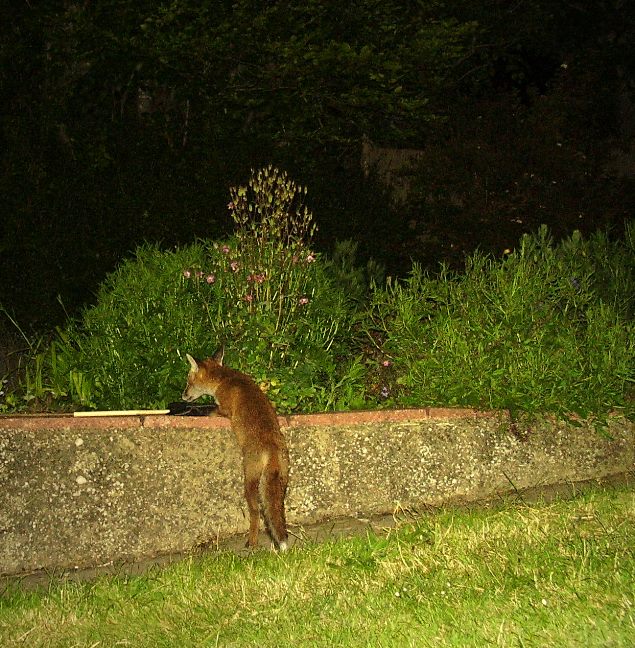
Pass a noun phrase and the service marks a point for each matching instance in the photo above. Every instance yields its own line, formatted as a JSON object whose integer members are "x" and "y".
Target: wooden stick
{"x": 122, "y": 413}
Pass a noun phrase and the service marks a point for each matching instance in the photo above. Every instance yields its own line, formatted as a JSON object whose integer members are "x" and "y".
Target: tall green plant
{"x": 264, "y": 277}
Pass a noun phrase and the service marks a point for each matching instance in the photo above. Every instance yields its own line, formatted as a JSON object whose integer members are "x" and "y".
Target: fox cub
{"x": 264, "y": 449}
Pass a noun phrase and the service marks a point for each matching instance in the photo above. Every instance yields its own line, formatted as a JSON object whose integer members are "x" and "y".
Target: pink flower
{"x": 187, "y": 274}
{"x": 230, "y": 205}
{"x": 234, "y": 266}
{"x": 310, "y": 258}
{"x": 225, "y": 249}
{"x": 211, "y": 278}
{"x": 303, "y": 300}
{"x": 249, "y": 298}
{"x": 386, "y": 363}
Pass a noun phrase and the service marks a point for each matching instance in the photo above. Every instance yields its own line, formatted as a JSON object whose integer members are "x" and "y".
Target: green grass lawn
{"x": 558, "y": 574}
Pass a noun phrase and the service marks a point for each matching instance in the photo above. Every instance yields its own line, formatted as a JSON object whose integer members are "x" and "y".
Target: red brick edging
{"x": 326, "y": 419}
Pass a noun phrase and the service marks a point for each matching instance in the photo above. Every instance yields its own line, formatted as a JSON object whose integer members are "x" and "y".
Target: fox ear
{"x": 218, "y": 356}
{"x": 193, "y": 362}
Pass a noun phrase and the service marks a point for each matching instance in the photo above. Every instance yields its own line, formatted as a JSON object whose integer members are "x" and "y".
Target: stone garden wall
{"x": 81, "y": 492}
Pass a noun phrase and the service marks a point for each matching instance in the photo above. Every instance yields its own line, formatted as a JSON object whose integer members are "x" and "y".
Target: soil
{"x": 324, "y": 531}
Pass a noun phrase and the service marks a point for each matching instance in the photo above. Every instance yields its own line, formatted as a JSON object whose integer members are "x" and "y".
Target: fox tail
{"x": 273, "y": 488}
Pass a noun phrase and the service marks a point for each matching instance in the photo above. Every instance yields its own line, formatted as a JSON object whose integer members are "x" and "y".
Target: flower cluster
{"x": 254, "y": 279}
{"x": 259, "y": 276}
{"x": 210, "y": 278}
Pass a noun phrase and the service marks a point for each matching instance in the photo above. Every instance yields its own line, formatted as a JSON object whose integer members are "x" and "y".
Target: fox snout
{"x": 187, "y": 396}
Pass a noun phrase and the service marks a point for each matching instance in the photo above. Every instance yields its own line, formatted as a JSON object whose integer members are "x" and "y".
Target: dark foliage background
{"x": 125, "y": 122}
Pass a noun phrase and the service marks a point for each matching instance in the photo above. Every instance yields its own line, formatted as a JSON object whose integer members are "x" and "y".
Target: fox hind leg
{"x": 251, "y": 495}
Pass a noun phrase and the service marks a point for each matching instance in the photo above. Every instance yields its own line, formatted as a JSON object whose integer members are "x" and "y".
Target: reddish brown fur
{"x": 264, "y": 449}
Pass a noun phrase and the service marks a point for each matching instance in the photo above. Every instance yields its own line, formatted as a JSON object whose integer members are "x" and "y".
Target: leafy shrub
{"x": 264, "y": 294}
{"x": 548, "y": 328}
{"x": 124, "y": 352}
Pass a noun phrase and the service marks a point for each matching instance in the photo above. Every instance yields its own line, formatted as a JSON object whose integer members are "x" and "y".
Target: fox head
{"x": 201, "y": 380}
